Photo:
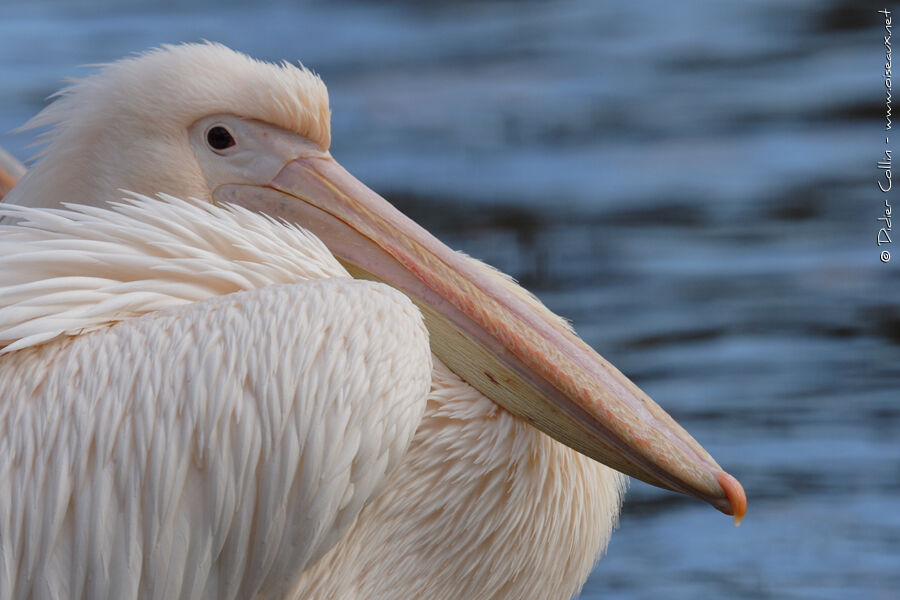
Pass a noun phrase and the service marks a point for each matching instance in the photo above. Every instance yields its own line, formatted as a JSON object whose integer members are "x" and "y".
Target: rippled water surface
{"x": 693, "y": 185}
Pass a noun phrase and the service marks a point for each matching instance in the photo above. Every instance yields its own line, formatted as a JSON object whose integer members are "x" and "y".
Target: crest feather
{"x": 186, "y": 82}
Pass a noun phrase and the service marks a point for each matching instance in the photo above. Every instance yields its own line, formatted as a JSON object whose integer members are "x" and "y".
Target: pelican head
{"x": 210, "y": 123}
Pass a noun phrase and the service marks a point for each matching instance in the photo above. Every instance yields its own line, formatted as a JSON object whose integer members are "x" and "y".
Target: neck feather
{"x": 483, "y": 506}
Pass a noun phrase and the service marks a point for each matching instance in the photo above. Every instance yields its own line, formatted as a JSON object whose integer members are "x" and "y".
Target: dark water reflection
{"x": 692, "y": 186}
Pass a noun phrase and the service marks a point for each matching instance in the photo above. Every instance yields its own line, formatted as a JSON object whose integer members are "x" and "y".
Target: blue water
{"x": 693, "y": 185}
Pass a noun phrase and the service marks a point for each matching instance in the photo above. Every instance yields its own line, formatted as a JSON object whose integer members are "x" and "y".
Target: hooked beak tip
{"x": 734, "y": 491}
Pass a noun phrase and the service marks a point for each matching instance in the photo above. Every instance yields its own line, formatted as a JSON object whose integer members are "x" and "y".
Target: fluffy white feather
{"x": 67, "y": 271}
{"x": 482, "y": 505}
{"x": 135, "y": 111}
{"x": 160, "y": 458}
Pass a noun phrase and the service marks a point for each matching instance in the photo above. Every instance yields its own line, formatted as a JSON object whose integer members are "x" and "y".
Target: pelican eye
{"x": 219, "y": 138}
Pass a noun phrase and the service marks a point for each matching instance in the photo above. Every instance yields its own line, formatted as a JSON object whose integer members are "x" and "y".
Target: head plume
{"x": 125, "y": 126}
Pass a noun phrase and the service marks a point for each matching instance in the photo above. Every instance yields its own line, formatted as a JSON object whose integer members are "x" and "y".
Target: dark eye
{"x": 219, "y": 138}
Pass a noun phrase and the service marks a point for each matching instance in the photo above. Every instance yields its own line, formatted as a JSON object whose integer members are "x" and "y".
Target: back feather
{"x": 66, "y": 271}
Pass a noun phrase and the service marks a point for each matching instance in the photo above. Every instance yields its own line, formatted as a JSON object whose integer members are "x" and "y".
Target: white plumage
{"x": 199, "y": 402}
{"x": 71, "y": 271}
{"x": 185, "y": 452}
{"x": 218, "y": 403}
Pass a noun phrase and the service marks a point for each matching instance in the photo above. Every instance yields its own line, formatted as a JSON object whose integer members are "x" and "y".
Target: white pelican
{"x": 198, "y": 402}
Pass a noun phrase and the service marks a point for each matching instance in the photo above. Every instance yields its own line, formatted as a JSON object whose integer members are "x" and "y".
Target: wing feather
{"x": 209, "y": 450}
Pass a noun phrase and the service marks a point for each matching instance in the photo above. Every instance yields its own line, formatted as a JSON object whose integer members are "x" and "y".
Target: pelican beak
{"x": 492, "y": 335}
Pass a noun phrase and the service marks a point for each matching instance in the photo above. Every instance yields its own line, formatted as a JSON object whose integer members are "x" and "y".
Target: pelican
{"x": 231, "y": 370}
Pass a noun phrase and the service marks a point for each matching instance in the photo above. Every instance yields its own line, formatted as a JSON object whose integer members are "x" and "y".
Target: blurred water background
{"x": 693, "y": 184}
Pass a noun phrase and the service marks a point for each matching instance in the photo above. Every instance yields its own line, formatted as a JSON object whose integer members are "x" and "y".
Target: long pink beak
{"x": 490, "y": 333}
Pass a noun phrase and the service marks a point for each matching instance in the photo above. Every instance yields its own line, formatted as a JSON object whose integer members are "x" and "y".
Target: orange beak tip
{"x": 734, "y": 491}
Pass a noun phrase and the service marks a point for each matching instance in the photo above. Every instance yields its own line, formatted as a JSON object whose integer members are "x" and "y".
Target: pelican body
{"x": 249, "y": 376}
